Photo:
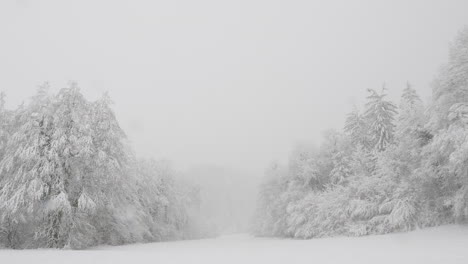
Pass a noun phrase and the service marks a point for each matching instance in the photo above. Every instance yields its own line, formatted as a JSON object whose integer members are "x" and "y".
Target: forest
{"x": 70, "y": 179}
{"x": 393, "y": 168}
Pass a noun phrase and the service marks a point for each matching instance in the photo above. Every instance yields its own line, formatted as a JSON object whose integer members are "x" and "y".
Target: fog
{"x": 231, "y": 85}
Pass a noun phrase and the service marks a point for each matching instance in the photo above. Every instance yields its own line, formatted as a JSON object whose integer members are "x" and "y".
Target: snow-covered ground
{"x": 447, "y": 244}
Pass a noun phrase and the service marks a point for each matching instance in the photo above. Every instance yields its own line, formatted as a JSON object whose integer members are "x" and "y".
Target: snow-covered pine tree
{"x": 410, "y": 121}
{"x": 410, "y": 101}
{"x": 341, "y": 168}
{"x": 397, "y": 166}
{"x": 333, "y": 159}
{"x": 356, "y": 128}
{"x": 380, "y": 115}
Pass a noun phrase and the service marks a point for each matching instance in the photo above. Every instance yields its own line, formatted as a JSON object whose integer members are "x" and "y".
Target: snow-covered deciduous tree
{"x": 28, "y": 168}
{"x": 69, "y": 151}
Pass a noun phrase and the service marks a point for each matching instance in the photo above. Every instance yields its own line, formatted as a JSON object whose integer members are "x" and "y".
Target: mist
{"x": 224, "y": 88}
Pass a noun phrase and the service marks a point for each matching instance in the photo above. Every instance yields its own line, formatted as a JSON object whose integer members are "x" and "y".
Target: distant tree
{"x": 410, "y": 100}
{"x": 341, "y": 168}
{"x": 302, "y": 167}
{"x": 411, "y": 118}
{"x": 380, "y": 115}
{"x": 356, "y": 127}
{"x": 269, "y": 218}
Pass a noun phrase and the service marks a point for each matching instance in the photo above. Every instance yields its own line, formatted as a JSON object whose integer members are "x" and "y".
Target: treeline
{"x": 68, "y": 179}
{"x": 391, "y": 169}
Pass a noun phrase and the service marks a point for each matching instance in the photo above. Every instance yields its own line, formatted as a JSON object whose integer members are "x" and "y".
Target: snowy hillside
{"x": 437, "y": 245}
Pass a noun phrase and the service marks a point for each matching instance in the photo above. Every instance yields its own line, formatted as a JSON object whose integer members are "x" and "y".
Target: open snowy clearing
{"x": 437, "y": 245}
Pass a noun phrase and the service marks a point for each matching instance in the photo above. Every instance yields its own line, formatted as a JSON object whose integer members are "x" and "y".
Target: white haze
{"x": 227, "y": 84}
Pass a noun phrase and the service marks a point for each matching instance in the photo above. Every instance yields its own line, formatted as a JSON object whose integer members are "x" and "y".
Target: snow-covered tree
{"x": 302, "y": 166}
{"x": 27, "y": 166}
{"x": 107, "y": 187}
{"x": 380, "y": 115}
{"x": 270, "y": 215}
{"x": 411, "y": 118}
{"x": 70, "y": 149}
{"x": 341, "y": 168}
{"x": 334, "y": 157}
{"x": 356, "y": 127}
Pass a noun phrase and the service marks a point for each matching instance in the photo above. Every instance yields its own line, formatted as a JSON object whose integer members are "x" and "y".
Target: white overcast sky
{"x": 232, "y": 83}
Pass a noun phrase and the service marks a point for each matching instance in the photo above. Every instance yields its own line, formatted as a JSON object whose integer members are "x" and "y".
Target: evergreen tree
{"x": 410, "y": 101}
{"x": 341, "y": 168}
{"x": 411, "y": 117}
{"x": 357, "y": 128}
{"x": 380, "y": 115}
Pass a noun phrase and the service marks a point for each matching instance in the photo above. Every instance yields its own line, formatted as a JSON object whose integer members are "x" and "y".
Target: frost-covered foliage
{"x": 392, "y": 170}
{"x": 69, "y": 180}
